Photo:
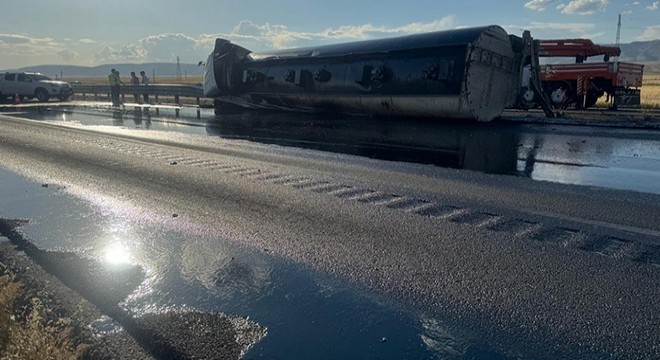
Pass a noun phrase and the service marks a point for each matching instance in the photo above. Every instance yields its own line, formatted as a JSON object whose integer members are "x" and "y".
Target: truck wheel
{"x": 63, "y": 97}
{"x": 560, "y": 95}
{"x": 42, "y": 95}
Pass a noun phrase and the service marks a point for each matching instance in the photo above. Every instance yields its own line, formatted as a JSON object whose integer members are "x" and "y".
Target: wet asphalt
{"x": 348, "y": 256}
{"x": 608, "y": 155}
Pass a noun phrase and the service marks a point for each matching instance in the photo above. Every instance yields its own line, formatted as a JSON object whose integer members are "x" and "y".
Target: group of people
{"x": 115, "y": 86}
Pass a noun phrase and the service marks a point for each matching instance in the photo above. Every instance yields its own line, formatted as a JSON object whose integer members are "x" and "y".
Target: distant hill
{"x": 72, "y": 71}
{"x": 646, "y": 52}
{"x": 641, "y": 51}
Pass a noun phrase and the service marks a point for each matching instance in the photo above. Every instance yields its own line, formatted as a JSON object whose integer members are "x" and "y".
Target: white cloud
{"x": 166, "y": 47}
{"x": 584, "y": 7}
{"x": 125, "y": 54}
{"x": 539, "y": 5}
{"x": 67, "y": 55}
{"x": 572, "y": 7}
{"x": 654, "y": 6}
{"x": 268, "y": 36}
{"x": 650, "y": 33}
{"x": 540, "y": 29}
{"x": 15, "y": 44}
{"x": 552, "y": 30}
{"x": 369, "y": 31}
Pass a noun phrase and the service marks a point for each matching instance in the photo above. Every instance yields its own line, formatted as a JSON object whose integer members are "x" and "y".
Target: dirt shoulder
{"x": 631, "y": 119}
{"x": 59, "y": 303}
{"x": 83, "y": 292}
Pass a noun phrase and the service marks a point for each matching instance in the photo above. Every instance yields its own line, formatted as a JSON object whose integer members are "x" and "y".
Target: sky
{"x": 92, "y": 32}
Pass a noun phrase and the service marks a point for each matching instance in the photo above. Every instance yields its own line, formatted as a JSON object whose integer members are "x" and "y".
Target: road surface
{"x": 488, "y": 265}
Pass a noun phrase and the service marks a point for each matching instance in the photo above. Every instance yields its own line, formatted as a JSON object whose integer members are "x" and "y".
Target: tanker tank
{"x": 471, "y": 73}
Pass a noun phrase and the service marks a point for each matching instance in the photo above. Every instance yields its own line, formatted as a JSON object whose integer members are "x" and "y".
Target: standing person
{"x": 135, "y": 82}
{"x": 114, "y": 94}
{"x": 118, "y": 86}
{"x": 145, "y": 81}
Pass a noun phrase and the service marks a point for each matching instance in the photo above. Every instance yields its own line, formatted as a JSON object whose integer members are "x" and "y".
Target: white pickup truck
{"x": 33, "y": 85}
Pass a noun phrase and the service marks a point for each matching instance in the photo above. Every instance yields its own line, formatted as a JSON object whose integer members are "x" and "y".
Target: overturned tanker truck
{"x": 471, "y": 73}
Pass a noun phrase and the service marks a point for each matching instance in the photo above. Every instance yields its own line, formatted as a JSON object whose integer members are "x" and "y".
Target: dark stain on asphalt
{"x": 197, "y": 335}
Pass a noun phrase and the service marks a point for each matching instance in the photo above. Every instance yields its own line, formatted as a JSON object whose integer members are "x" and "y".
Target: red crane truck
{"x": 582, "y": 83}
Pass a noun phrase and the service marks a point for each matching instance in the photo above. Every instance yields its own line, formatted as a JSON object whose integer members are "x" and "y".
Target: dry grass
{"x": 651, "y": 91}
{"x": 33, "y": 337}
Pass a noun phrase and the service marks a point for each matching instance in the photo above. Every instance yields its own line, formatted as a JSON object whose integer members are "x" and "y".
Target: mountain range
{"x": 645, "y": 52}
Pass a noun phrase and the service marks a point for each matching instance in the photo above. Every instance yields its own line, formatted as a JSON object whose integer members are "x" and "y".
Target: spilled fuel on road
{"x": 305, "y": 314}
{"x": 623, "y": 159}
{"x": 207, "y": 237}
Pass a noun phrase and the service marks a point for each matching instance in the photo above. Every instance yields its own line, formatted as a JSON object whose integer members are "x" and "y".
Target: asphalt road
{"x": 530, "y": 269}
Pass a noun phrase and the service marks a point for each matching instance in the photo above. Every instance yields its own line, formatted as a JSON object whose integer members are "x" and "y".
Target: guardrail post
{"x": 171, "y": 91}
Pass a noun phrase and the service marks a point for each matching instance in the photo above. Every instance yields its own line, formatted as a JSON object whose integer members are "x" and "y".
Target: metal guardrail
{"x": 154, "y": 90}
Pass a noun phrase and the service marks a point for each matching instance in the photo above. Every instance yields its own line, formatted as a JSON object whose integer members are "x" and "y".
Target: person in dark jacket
{"x": 113, "y": 80}
{"x": 145, "y": 81}
{"x": 136, "y": 82}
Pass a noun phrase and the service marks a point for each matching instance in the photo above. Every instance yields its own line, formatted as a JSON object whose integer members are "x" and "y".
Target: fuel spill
{"x": 302, "y": 313}
{"x": 615, "y": 158}
{"x": 260, "y": 233}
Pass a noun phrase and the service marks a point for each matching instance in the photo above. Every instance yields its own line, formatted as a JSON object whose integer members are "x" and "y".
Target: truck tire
{"x": 560, "y": 94}
{"x": 42, "y": 95}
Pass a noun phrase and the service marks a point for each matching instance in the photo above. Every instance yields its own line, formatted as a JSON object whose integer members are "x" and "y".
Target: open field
{"x": 651, "y": 90}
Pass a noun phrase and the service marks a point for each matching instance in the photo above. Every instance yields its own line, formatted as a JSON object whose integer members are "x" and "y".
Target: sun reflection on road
{"x": 117, "y": 254}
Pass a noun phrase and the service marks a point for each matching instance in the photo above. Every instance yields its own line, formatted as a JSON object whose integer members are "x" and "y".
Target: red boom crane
{"x": 581, "y": 84}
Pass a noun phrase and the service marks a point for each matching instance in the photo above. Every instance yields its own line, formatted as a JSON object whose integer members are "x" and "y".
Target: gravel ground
{"x": 167, "y": 335}
{"x": 60, "y": 301}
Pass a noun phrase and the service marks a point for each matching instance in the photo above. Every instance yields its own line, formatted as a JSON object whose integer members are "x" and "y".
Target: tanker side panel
{"x": 468, "y": 74}
{"x": 355, "y": 83}
{"x": 430, "y": 71}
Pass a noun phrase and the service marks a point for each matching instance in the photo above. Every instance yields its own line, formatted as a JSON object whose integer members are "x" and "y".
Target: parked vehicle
{"x": 581, "y": 83}
{"x": 27, "y": 85}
